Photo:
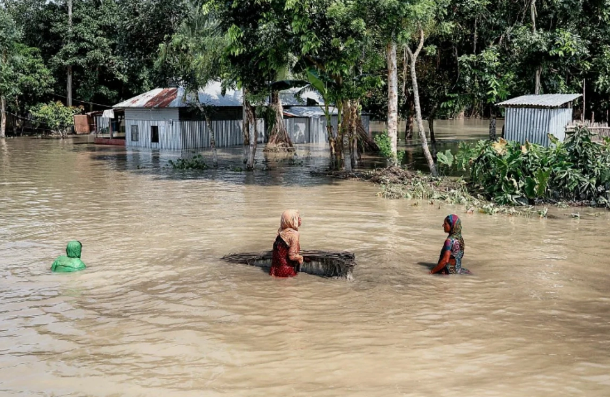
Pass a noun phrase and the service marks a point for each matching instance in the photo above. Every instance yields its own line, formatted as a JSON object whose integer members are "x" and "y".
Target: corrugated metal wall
{"x": 184, "y": 135}
{"x": 195, "y": 134}
{"x": 317, "y": 130}
{"x": 560, "y": 118}
{"x": 533, "y": 124}
{"x": 101, "y": 122}
{"x": 169, "y": 134}
{"x": 299, "y": 129}
{"x": 165, "y": 119}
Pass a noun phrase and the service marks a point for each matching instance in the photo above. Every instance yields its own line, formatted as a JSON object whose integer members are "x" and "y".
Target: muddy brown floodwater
{"x": 158, "y": 313}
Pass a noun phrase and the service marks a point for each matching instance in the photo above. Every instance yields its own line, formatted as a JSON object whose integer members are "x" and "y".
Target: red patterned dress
{"x": 282, "y": 265}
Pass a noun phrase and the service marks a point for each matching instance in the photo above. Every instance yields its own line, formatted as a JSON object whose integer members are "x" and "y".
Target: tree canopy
{"x": 475, "y": 53}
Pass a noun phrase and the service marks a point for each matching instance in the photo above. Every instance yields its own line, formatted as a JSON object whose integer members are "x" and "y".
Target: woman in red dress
{"x": 286, "y": 259}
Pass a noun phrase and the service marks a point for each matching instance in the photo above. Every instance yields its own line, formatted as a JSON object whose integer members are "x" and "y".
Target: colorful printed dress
{"x": 454, "y": 266}
{"x": 455, "y": 244}
{"x": 281, "y": 265}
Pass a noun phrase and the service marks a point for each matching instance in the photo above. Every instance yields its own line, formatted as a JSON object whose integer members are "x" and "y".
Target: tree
{"x": 144, "y": 25}
{"x": 32, "y": 80}
{"x": 193, "y": 57}
{"x": 386, "y": 19}
{"x": 10, "y": 35}
{"x": 55, "y": 116}
{"x": 422, "y": 15}
{"x": 88, "y": 50}
{"x": 337, "y": 52}
{"x": 258, "y": 38}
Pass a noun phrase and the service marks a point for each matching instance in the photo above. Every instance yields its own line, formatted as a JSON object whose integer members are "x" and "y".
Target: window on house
{"x": 135, "y": 136}
{"x": 154, "y": 134}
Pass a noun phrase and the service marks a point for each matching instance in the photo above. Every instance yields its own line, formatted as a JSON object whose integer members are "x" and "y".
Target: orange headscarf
{"x": 289, "y": 224}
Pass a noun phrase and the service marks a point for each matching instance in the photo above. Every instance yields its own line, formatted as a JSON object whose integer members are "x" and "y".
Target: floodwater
{"x": 448, "y": 133}
{"x": 157, "y": 313}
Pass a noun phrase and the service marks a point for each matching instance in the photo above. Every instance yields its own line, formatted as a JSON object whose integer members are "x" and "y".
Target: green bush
{"x": 54, "y": 115}
{"x": 510, "y": 173}
{"x": 194, "y": 163}
{"x": 385, "y": 144}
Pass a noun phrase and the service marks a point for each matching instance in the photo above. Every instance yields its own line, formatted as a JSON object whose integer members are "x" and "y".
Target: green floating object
{"x": 71, "y": 261}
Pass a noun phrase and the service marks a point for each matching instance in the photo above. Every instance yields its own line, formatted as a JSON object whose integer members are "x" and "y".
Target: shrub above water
{"x": 385, "y": 147}
{"x": 511, "y": 173}
{"x": 194, "y": 163}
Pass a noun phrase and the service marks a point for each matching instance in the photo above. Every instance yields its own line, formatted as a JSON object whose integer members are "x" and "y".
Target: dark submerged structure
{"x": 319, "y": 263}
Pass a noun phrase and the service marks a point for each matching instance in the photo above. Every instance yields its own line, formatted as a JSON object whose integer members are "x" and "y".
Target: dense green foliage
{"x": 55, "y": 116}
{"x": 111, "y": 47}
{"x": 510, "y": 173}
{"x": 385, "y": 147}
{"x": 467, "y": 54}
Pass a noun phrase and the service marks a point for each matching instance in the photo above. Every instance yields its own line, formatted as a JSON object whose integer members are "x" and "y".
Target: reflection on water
{"x": 448, "y": 134}
{"x": 158, "y": 313}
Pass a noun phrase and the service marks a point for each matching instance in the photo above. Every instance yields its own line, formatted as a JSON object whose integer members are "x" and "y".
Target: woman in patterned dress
{"x": 286, "y": 258}
{"x": 450, "y": 260}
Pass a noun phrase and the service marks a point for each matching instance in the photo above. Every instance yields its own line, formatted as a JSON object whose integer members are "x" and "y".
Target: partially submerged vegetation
{"x": 396, "y": 183}
{"x": 576, "y": 171}
{"x": 194, "y": 163}
{"x": 507, "y": 177}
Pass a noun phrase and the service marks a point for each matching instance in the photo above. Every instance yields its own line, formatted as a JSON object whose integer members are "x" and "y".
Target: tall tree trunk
{"x": 475, "y": 37}
{"x": 492, "y": 127}
{"x": 69, "y": 72}
{"x": 353, "y": 135}
{"x": 206, "y": 111}
{"x": 340, "y": 134}
{"x": 539, "y": 68}
{"x": 345, "y": 124}
{"x": 18, "y": 123}
{"x": 431, "y": 117}
{"x": 409, "y": 103}
{"x": 208, "y": 121}
{"x": 2, "y": 116}
{"x": 410, "y": 112}
{"x": 278, "y": 137}
{"x": 253, "y": 133}
{"x": 331, "y": 136}
{"x": 420, "y": 123}
{"x": 392, "y": 98}
{"x": 245, "y": 126}
{"x": 533, "y": 15}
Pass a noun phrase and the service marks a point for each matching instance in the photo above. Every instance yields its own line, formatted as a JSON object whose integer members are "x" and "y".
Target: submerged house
{"x": 531, "y": 117}
{"x": 165, "y": 118}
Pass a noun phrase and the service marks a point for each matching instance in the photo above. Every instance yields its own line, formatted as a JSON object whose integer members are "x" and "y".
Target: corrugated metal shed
{"x": 532, "y": 118}
{"x": 540, "y": 101}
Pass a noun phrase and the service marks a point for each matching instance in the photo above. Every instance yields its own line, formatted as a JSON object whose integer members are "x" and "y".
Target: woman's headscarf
{"x": 289, "y": 223}
{"x": 456, "y": 229}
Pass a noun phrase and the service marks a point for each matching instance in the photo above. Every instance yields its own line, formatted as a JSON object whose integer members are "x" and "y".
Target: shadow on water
{"x": 427, "y": 265}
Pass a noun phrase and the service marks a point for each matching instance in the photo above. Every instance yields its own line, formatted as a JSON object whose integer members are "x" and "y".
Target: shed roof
{"x": 157, "y": 98}
{"x": 211, "y": 95}
{"x": 308, "y": 111}
{"x": 540, "y": 101}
